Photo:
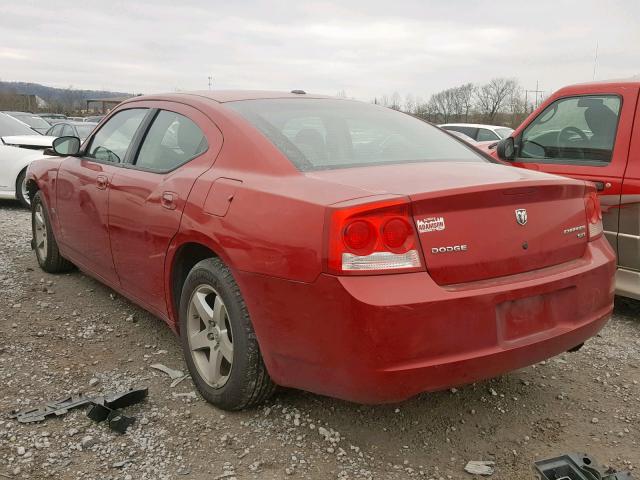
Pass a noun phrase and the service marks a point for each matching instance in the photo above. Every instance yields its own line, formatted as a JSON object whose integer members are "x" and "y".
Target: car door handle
{"x": 168, "y": 200}
{"x": 102, "y": 181}
{"x": 600, "y": 185}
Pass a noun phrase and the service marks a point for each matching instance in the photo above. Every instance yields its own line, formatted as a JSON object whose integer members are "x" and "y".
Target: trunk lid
{"x": 467, "y": 220}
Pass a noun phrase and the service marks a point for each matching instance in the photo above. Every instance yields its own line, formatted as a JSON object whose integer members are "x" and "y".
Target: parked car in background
{"x": 35, "y": 122}
{"x": 591, "y": 131}
{"x": 326, "y": 244}
{"x": 93, "y": 118}
{"x": 72, "y": 129}
{"x": 52, "y": 117}
{"x": 479, "y": 132}
{"x": 19, "y": 146}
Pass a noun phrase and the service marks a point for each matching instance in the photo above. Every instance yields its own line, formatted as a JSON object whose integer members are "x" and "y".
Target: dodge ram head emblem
{"x": 521, "y": 216}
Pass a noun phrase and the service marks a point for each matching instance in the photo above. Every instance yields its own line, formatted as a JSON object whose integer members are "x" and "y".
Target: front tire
{"x": 218, "y": 341}
{"x": 21, "y": 189}
{"x": 44, "y": 242}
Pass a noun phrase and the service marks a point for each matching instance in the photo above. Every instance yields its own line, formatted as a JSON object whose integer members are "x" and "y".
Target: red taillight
{"x": 359, "y": 236}
{"x": 594, "y": 214}
{"x": 372, "y": 238}
{"x": 395, "y": 233}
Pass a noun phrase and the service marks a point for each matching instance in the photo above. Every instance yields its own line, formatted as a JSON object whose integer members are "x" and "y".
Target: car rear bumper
{"x": 7, "y": 194}
{"x": 385, "y": 338}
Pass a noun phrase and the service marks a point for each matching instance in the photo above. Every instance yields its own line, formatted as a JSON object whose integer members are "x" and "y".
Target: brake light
{"x": 594, "y": 214}
{"x": 372, "y": 238}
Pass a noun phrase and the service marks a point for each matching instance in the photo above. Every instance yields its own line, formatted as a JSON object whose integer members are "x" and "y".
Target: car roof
{"x": 222, "y": 96}
{"x": 13, "y": 112}
{"x": 473, "y": 125}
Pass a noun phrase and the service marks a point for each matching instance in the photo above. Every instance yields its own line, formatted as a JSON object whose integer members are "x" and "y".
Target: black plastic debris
{"x": 576, "y": 466}
{"x": 101, "y": 409}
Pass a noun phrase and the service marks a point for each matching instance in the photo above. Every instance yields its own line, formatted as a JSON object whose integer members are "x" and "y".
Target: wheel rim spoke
{"x": 219, "y": 312}
{"x": 226, "y": 347}
{"x": 202, "y": 307}
{"x": 215, "y": 366}
{"x": 200, "y": 340}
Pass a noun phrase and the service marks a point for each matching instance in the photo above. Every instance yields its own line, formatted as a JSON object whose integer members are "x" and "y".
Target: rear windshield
{"x": 10, "y": 126}
{"x": 325, "y": 134}
{"x": 33, "y": 120}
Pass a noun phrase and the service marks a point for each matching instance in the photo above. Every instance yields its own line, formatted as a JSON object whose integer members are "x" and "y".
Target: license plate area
{"x": 525, "y": 317}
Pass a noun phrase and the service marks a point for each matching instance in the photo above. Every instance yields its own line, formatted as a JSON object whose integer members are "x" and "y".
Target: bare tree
{"x": 465, "y": 96}
{"x": 409, "y": 103}
{"x": 492, "y": 97}
{"x": 396, "y": 101}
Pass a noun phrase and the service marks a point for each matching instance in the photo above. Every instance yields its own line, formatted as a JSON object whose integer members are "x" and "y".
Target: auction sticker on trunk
{"x": 430, "y": 224}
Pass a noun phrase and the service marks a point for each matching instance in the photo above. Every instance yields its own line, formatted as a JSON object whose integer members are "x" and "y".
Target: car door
{"x": 584, "y": 136}
{"x": 83, "y": 190}
{"x": 147, "y": 197}
{"x": 628, "y": 279}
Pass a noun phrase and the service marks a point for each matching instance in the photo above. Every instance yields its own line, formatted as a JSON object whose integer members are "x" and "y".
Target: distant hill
{"x": 57, "y": 98}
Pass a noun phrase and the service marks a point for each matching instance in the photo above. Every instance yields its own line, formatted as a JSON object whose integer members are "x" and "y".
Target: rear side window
{"x": 67, "y": 131}
{"x": 324, "y": 134}
{"x": 573, "y": 130}
{"x": 484, "y": 134}
{"x": 111, "y": 142}
{"x": 470, "y": 132}
{"x": 171, "y": 141}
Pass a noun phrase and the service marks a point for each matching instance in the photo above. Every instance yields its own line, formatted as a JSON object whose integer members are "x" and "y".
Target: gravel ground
{"x": 68, "y": 333}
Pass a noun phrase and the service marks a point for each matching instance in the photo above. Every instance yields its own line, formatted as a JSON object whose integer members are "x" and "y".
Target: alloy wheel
{"x": 40, "y": 231}
{"x": 210, "y": 336}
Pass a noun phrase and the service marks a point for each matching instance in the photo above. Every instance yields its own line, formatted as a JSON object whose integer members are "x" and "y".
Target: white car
{"x": 479, "y": 132}
{"x": 19, "y": 146}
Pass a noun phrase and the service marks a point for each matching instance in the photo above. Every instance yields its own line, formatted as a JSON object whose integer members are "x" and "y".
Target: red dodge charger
{"x": 323, "y": 244}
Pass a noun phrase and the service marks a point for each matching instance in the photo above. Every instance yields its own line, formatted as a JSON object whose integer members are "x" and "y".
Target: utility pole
{"x": 210, "y": 81}
{"x": 536, "y": 92}
{"x": 595, "y": 61}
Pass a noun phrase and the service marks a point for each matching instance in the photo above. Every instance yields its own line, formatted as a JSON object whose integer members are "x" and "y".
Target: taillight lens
{"x": 594, "y": 214}
{"x": 372, "y": 238}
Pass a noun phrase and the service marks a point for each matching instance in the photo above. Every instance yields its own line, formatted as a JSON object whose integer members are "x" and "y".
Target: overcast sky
{"x": 366, "y": 48}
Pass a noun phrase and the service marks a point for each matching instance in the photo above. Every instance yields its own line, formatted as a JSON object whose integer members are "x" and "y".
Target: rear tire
{"x": 214, "y": 328}
{"x": 21, "y": 191}
{"x": 44, "y": 242}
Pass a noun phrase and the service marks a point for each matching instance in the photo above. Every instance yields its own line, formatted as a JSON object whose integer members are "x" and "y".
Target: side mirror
{"x": 506, "y": 149}
{"x": 66, "y": 146}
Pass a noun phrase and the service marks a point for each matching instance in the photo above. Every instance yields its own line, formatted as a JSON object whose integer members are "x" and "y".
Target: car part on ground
{"x": 107, "y": 408}
{"x": 102, "y": 408}
{"x": 576, "y": 466}
{"x": 55, "y": 408}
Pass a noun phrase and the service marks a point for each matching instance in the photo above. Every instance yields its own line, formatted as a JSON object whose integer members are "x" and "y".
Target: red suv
{"x": 589, "y": 132}
{"x": 329, "y": 245}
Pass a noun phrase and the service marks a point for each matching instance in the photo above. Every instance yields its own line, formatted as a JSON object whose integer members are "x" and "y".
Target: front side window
{"x": 172, "y": 140}
{"x": 325, "y": 134}
{"x": 574, "y": 130}
{"x": 111, "y": 142}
